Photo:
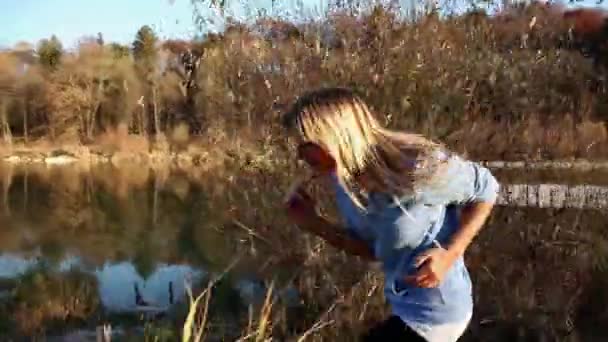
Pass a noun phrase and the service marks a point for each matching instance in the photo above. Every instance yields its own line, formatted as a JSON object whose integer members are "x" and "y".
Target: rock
{"x": 13, "y": 159}
{"x": 60, "y": 160}
{"x": 580, "y": 165}
{"x": 554, "y": 196}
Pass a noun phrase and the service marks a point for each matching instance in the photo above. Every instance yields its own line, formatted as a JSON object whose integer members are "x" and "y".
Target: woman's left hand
{"x": 432, "y": 266}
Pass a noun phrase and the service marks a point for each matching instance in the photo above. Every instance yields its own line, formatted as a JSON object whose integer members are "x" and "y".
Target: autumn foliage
{"x": 437, "y": 75}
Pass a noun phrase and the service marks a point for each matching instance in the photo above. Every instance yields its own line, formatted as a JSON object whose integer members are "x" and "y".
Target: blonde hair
{"x": 341, "y": 123}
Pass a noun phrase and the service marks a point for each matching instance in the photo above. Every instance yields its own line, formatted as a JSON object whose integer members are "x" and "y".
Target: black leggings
{"x": 393, "y": 329}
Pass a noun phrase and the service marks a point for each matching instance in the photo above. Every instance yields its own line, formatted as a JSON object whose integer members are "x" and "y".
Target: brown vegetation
{"x": 535, "y": 270}
{"x": 43, "y": 299}
{"x": 503, "y": 77}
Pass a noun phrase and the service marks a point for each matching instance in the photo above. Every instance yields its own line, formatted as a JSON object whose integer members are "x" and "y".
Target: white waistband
{"x": 449, "y": 332}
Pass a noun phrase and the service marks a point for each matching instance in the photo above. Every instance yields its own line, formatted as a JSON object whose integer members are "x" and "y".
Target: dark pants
{"x": 393, "y": 329}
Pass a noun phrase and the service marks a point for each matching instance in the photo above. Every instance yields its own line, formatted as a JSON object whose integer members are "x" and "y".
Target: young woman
{"x": 406, "y": 202}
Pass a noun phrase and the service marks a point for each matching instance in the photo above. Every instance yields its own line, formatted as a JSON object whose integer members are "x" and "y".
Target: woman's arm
{"x": 301, "y": 209}
{"x": 336, "y": 236}
{"x": 475, "y": 189}
{"x": 434, "y": 263}
{"x": 472, "y": 220}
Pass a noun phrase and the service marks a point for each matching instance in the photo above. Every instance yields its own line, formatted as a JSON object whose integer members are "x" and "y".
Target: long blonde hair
{"x": 341, "y": 123}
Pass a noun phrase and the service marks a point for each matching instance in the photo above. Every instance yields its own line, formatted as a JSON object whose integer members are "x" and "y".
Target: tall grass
{"x": 534, "y": 270}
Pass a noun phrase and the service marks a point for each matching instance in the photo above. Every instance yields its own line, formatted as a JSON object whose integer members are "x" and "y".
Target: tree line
{"x": 432, "y": 73}
{"x": 48, "y": 91}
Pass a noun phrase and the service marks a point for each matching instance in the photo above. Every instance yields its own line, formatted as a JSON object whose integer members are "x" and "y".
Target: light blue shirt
{"x": 397, "y": 230}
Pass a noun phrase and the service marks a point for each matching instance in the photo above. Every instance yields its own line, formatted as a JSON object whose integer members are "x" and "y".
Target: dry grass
{"x": 119, "y": 139}
{"x": 531, "y": 139}
{"x": 43, "y": 299}
{"x": 532, "y": 268}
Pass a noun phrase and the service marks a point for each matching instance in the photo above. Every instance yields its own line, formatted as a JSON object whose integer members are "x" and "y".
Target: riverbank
{"x": 93, "y": 155}
{"x": 200, "y": 156}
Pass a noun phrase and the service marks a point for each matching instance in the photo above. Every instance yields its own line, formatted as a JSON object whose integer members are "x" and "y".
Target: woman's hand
{"x": 300, "y": 206}
{"x": 432, "y": 265}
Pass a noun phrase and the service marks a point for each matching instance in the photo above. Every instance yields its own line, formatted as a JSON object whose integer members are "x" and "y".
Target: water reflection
{"x": 134, "y": 235}
{"x": 12, "y": 266}
{"x": 161, "y": 289}
{"x": 110, "y": 215}
{"x": 121, "y": 287}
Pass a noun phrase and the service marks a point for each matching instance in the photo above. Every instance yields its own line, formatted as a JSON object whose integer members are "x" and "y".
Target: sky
{"x": 119, "y": 20}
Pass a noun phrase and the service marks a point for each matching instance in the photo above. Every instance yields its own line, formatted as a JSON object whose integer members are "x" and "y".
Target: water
{"x": 142, "y": 234}
{"x": 121, "y": 287}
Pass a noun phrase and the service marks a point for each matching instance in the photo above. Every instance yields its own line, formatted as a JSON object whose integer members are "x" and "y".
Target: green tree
{"x": 50, "y": 52}
{"x": 145, "y": 52}
{"x": 119, "y": 51}
{"x": 144, "y": 47}
{"x": 99, "y": 39}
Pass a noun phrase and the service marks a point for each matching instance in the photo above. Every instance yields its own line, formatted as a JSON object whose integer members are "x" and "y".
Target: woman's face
{"x": 323, "y": 163}
{"x": 316, "y": 157}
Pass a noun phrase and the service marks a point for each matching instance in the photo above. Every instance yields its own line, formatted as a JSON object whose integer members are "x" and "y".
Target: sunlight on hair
{"x": 341, "y": 122}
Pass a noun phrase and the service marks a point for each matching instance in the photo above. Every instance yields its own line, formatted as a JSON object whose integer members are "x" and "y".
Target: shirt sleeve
{"x": 464, "y": 182}
{"x": 352, "y": 216}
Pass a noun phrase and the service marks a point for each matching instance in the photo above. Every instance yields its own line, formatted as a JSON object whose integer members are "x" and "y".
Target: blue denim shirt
{"x": 397, "y": 230}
